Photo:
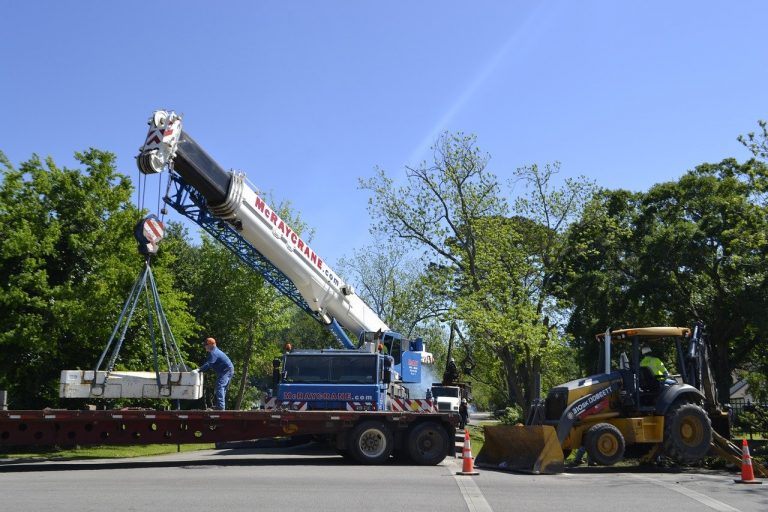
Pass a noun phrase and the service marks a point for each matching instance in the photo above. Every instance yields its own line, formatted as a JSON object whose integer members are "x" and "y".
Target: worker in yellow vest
{"x": 656, "y": 366}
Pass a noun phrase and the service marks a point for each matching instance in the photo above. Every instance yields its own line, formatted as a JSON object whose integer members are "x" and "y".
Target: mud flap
{"x": 531, "y": 449}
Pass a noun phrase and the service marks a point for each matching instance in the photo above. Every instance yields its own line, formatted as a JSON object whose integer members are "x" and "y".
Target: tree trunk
{"x": 721, "y": 367}
{"x": 246, "y": 364}
{"x": 516, "y": 386}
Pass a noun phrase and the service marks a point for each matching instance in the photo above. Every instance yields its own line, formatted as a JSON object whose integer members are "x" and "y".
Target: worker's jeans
{"x": 222, "y": 383}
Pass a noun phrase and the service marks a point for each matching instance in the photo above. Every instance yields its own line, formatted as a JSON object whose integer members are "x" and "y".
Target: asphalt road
{"x": 310, "y": 478}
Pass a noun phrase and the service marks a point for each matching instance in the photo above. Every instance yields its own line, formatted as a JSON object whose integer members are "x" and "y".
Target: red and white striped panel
{"x": 153, "y": 230}
{"x": 404, "y": 405}
{"x": 154, "y": 138}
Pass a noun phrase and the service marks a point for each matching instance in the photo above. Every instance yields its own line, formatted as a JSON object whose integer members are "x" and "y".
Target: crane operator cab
{"x": 407, "y": 355}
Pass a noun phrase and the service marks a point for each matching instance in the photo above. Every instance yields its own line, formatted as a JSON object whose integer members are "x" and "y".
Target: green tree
{"x": 757, "y": 365}
{"x": 599, "y": 279}
{"x": 689, "y": 250}
{"x": 250, "y": 320}
{"x": 495, "y": 268}
{"x": 235, "y": 306}
{"x": 757, "y": 144}
{"x": 401, "y": 294}
{"x": 67, "y": 261}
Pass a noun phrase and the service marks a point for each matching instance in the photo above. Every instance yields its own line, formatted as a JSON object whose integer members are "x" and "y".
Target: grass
{"x": 754, "y": 436}
{"x": 103, "y": 452}
{"x": 476, "y": 436}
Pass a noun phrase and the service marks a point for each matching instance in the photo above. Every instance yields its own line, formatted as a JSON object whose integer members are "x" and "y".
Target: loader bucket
{"x": 532, "y": 449}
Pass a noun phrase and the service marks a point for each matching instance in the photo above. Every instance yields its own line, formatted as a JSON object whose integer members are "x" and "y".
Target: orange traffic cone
{"x": 747, "y": 474}
{"x": 468, "y": 463}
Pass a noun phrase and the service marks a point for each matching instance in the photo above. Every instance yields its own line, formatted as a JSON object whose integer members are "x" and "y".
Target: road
{"x": 311, "y": 478}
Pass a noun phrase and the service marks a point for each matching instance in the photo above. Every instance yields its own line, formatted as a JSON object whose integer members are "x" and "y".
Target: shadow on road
{"x": 312, "y": 454}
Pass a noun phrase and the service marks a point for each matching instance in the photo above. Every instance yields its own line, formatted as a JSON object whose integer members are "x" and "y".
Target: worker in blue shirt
{"x": 218, "y": 361}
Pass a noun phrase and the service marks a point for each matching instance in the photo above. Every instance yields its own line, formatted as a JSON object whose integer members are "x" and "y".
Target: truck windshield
{"x": 445, "y": 391}
{"x": 337, "y": 369}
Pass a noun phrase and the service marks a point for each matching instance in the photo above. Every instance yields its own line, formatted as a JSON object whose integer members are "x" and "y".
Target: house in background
{"x": 740, "y": 395}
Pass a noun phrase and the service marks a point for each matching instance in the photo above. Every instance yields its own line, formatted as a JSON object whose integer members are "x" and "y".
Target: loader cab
{"x": 621, "y": 352}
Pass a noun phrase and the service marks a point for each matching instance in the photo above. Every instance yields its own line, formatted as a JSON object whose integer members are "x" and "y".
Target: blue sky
{"x": 308, "y": 96}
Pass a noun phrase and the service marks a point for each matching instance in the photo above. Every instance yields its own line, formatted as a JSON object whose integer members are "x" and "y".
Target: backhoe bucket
{"x": 532, "y": 449}
{"x": 728, "y": 451}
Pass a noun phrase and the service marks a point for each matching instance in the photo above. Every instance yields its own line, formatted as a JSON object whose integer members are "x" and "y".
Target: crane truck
{"x": 358, "y": 397}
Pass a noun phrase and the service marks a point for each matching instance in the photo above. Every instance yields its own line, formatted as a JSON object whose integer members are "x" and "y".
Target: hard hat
{"x": 646, "y": 349}
{"x": 463, "y": 400}
{"x": 210, "y": 341}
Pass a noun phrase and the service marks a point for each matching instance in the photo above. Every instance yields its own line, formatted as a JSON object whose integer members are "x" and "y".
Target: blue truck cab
{"x": 336, "y": 379}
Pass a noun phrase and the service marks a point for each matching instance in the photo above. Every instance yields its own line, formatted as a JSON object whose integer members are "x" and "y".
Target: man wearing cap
{"x": 218, "y": 361}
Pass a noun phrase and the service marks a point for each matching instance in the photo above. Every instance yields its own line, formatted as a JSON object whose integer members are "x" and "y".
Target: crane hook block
{"x": 148, "y": 232}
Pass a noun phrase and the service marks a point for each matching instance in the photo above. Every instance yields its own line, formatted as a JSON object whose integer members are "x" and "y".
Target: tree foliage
{"x": 694, "y": 249}
{"x": 398, "y": 290}
{"x": 233, "y": 304}
{"x": 530, "y": 270}
{"x": 495, "y": 268}
{"x": 67, "y": 262}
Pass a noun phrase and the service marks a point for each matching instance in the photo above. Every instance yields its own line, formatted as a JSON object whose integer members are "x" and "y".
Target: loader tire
{"x": 428, "y": 444}
{"x": 371, "y": 442}
{"x": 605, "y": 444}
{"x": 687, "y": 433}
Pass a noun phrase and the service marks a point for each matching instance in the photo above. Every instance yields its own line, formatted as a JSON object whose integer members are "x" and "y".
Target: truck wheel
{"x": 605, "y": 444}
{"x": 428, "y": 444}
{"x": 687, "y": 433}
{"x": 371, "y": 442}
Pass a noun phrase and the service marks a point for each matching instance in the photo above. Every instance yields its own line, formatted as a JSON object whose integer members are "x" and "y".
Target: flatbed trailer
{"x": 368, "y": 437}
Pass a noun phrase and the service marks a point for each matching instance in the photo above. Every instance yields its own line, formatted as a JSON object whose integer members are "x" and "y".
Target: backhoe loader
{"x": 622, "y": 407}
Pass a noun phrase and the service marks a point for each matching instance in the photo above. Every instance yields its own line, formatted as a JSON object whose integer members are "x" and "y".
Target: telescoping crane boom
{"x": 229, "y": 197}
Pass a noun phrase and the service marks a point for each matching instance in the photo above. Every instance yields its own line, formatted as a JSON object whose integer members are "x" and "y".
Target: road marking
{"x": 471, "y": 493}
{"x": 701, "y": 498}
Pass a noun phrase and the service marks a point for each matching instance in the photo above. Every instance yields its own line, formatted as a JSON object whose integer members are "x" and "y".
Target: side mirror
{"x": 387, "y": 378}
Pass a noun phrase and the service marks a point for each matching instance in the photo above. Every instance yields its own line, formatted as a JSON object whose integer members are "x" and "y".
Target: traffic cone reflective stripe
{"x": 747, "y": 473}
{"x": 468, "y": 463}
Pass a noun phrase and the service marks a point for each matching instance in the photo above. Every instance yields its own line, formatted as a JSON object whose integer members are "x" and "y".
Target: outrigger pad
{"x": 90, "y": 384}
{"x": 533, "y": 449}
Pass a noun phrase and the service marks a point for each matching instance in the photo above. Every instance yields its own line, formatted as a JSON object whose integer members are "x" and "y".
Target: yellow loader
{"x": 622, "y": 408}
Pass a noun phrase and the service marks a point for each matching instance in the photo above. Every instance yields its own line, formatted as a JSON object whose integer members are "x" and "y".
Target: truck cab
{"x": 337, "y": 380}
{"x": 447, "y": 398}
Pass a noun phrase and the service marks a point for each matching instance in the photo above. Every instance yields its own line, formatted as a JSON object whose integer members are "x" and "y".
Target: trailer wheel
{"x": 687, "y": 432}
{"x": 428, "y": 443}
{"x": 605, "y": 444}
{"x": 371, "y": 442}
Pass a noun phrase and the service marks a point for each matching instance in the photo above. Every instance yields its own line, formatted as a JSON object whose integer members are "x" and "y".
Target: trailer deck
{"x": 58, "y": 427}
